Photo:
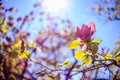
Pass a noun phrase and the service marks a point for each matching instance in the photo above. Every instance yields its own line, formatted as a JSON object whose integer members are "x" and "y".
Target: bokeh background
{"x": 51, "y": 25}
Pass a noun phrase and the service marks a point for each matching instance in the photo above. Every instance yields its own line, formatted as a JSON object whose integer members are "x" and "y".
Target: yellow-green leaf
{"x": 94, "y": 48}
{"x": 116, "y": 53}
{"x": 14, "y": 54}
{"x": 26, "y": 55}
{"x": 87, "y": 61}
{"x": 96, "y": 41}
{"x": 11, "y": 76}
{"x": 74, "y": 44}
{"x": 4, "y": 30}
{"x": 1, "y": 21}
{"x": 32, "y": 44}
{"x": 67, "y": 63}
{"x": 117, "y": 58}
{"x": 4, "y": 24}
{"x": 17, "y": 45}
{"x": 77, "y": 66}
{"x": 108, "y": 56}
{"x": 80, "y": 55}
{"x": 14, "y": 62}
{"x": 60, "y": 65}
{"x": 98, "y": 65}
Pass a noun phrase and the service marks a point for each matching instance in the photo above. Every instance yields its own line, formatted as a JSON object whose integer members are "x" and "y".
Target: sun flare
{"x": 55, "y": 6}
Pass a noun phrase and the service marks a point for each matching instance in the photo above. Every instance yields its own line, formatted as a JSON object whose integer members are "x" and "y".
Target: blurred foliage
{"x": 45, "y": 56}
{"x": 19, "y": 55}
{"x": 108, "y": 9}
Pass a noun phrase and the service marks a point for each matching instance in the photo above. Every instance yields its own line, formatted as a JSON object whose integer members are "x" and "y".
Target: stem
{"x": 42, "y": 65}
{"x": 83, "y": 76}
{"x": 70, "y": 70}
{"x": 115, "y": 77}
{"x": 96, "y": 73}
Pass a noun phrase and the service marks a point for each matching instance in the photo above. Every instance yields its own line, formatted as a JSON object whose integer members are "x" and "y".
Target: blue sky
{"x": 108, "y": 32}
{"x": 79, "y": 13}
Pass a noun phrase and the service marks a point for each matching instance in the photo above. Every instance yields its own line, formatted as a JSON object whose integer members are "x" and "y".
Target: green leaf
{"x": 25, "y": 54}
{"x": 80, "y": 55}
{"x": 87, "y": 61}
{"x": 74, "y": 44}
{"x": 67, "y": 63}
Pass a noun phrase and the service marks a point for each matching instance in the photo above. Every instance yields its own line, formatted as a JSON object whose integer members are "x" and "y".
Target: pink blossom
{"x": 86, "y": 31}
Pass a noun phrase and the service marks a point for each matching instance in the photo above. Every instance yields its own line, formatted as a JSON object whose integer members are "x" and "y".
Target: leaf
{"x": 11, "y": 76}
{"x": 26, "y": 55}
{"x": 116, "y": 53}
{"x": 94, "y": 48}
{"x": 13, "y": 62}
{"x": 32, "y": 44}
{"x": 74, "y": 44}
{"x": 87, "y": 61}
{"x": 60, "y": 65}
{"x": 14, "y": 54}
{"x": 77, "y": 66}
{"x": 117, "y": 58}
{"x": 98, "y": 65}
{"x": 67, "y": 63}
{"x": 1, "y": 21}
{"x": 4, "y": 24}
{"x": 4, "y": 31}
{"x": 80, "y": 55}
{"x": 17, "y": 45}
{"x": 108, "y": 56}
{"x": 96, "y": 41}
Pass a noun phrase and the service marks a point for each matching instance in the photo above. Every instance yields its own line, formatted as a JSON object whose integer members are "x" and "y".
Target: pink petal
{"x": 84, "y": 32}
{"x": 92, "y": 26}
{"x": 85, "y": 29}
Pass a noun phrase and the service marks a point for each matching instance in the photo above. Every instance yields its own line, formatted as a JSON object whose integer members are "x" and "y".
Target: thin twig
{"x": 70, "y": 70}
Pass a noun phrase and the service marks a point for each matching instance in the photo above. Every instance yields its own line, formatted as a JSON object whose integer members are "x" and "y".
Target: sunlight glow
{"x": 55, "y": 6}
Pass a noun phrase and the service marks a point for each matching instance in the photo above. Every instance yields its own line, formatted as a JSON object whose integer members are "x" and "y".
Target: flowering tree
{"x": 108, "y": 9}
{"x": 89, "y": 53}
{"x": 47, "y": 56}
